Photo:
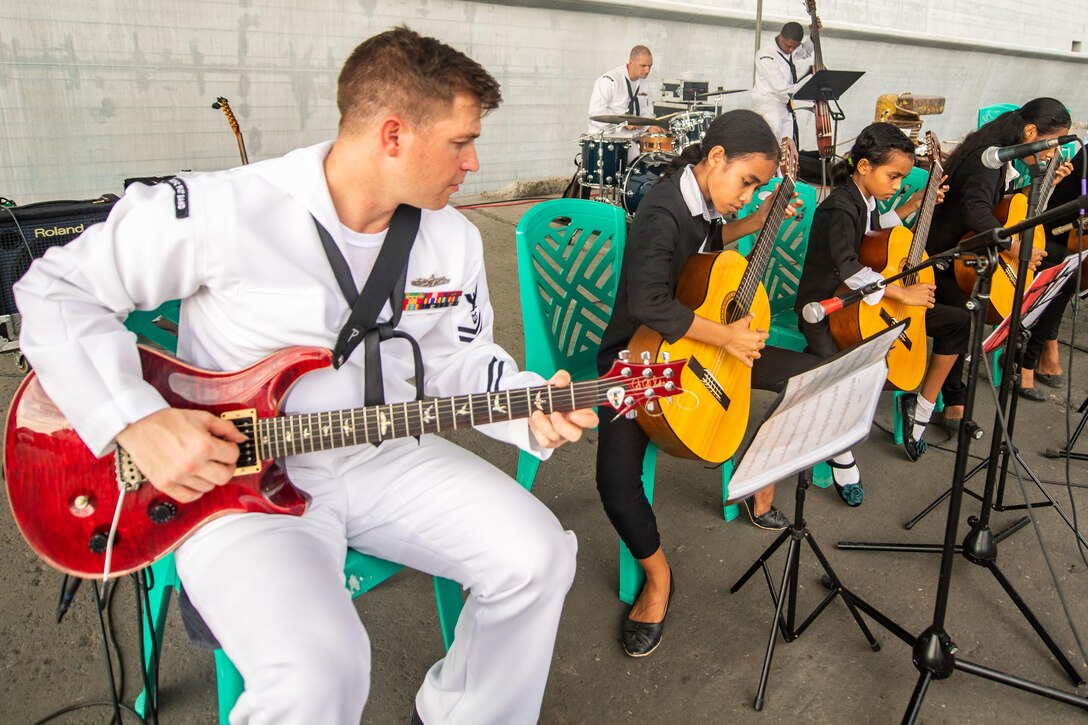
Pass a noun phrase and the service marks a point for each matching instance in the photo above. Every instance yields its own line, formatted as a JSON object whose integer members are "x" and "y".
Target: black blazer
{"x": 838, "y": 227}
{"x": 662, "y": 237}
{"x": 973, "y": 192}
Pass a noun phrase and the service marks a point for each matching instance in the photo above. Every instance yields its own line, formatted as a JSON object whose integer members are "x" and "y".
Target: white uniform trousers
{"x": 777, "y": 116}
{"x": 271, "y": 588}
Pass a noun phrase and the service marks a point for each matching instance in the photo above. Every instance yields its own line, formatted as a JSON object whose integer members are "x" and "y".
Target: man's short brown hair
{"x": 411, "y": 75}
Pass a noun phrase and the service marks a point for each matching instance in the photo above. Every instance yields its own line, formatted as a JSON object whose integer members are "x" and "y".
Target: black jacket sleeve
{"x": 652, "y": 258}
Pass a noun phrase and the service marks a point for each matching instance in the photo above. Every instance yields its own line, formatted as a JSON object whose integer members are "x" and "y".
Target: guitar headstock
{"x": 787, "y": 158}
{"x": 810, "y": 8}
{"x": 632, "y": 384}
{"x": 222, "y": 104}
{"x": 933, "y": 147}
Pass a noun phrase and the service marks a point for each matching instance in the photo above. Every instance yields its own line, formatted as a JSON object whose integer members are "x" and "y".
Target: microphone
{"x": 813, "y": 312}
{"x": 995, "y": 157}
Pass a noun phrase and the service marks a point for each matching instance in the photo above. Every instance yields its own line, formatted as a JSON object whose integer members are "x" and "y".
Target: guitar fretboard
{"x": 294, "y": 434}
{"x": 761, "y": 253}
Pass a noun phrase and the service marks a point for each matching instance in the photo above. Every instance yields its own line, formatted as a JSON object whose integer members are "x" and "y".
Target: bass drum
{"x": 641, "y": 175}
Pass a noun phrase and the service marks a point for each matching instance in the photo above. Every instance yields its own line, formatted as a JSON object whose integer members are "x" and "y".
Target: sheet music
{"x": 1035, "y": 299}
{"x": 822, "y": 413}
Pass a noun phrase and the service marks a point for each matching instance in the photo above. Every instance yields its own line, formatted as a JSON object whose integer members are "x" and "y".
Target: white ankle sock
{"x": 923, "y": 411}
{"x": 846, "y": 476}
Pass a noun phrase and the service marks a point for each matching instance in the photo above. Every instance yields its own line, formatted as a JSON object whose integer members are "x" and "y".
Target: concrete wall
{"x": 94, "y": 91}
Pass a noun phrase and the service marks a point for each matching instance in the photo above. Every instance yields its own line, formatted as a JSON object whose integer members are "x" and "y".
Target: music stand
{"x": 828, "y": 85}
{"x": 820, "y": 414}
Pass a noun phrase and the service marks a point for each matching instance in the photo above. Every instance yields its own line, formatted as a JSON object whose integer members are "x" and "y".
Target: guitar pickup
{"x": 246, "y": 422}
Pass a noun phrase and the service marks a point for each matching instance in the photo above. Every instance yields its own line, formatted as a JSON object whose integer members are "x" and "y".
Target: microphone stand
{"x": 934, "y": 652}
{"x": 1007, "y": 408}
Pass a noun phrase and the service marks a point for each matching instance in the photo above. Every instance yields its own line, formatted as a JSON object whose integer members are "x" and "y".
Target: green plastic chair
{"x": 781, "y": 278}
{"x": 569, "y": 256}
{"x": 361, "y": 571}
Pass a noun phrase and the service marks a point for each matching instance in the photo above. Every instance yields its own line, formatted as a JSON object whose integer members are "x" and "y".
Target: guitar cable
{"x": 104, "y": 610}
{"x": 110, "y": 538}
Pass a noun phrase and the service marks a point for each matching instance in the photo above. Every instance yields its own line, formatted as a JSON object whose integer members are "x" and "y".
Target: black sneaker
{"x": 772, "y": 520}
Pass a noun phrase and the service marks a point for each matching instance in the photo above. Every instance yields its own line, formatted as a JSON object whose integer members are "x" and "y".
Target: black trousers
{"x": 622, "y": 444}
{"x": 949, "y": 294}
{"x": 949, "y": 326}
{"x": 1046, "y": 327}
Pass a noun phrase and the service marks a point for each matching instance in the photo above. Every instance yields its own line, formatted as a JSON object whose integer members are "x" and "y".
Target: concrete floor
{"x": 708, "y": 665}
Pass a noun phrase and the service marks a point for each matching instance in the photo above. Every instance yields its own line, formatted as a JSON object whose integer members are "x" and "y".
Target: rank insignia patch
{"x": 430, "y": 300}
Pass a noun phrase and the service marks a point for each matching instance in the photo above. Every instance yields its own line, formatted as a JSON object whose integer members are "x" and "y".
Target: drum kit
{"x": 616, "y": 175}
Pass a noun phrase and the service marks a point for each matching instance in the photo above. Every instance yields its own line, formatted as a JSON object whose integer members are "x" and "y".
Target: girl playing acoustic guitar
{"x": 677, "y": 218}
{"x": 873, "y": 170}
{"x": 976, "y": 195}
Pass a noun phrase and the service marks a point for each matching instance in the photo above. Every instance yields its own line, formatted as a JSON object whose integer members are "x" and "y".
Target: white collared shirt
{"x": 693, "y": 196}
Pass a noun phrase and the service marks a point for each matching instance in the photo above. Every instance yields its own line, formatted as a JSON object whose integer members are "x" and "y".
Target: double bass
{"x": 825, "y": 141}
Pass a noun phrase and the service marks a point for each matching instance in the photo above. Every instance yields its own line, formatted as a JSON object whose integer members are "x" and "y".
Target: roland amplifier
{"x": 26, "y": 232}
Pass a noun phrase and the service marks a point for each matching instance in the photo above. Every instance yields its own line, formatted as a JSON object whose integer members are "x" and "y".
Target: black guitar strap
{"x": 386, "y": 282}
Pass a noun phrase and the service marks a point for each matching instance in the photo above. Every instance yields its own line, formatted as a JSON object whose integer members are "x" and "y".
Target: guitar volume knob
{"x": 97, "y": 543}
{"x": 162, "y": 511}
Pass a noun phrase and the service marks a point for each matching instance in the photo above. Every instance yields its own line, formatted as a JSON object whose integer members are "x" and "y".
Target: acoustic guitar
{"x": 889, "y": 252}
{"x": 64, "y": 499}
{"x": 1012, "y": 209}
{"x": 709, "y": 421}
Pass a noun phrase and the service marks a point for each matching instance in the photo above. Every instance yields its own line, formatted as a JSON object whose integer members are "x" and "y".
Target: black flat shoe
{"x": 771, "y": 520}
{"x": 915, "y": 447}
{"x": 1032, "y": 394}
{"x": 852, "y": 494}
{"x": 1055, "y": 381}
{"x": 642, "y": 638}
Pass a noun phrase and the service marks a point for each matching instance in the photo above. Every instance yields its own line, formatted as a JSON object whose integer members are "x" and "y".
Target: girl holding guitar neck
{"x": 977, "y": 191}
{"x": 873, "y": 170}
{"x": 676, "y": 220}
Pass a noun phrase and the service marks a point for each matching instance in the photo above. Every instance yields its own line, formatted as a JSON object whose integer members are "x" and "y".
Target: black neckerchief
{"x": 386, "y": 282}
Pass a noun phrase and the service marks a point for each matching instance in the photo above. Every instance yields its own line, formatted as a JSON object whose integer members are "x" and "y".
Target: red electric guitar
{"x": 64, "y": 498}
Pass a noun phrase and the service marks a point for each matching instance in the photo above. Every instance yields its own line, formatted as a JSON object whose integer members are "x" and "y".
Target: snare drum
{"x": 656, "y": 143}
{"x": 604, "y": 160}
{"x": 690, "y": 127}
{"x": 643, "y": 174}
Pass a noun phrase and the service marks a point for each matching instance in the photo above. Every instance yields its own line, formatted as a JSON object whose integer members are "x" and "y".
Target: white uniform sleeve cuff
{"x": 100, "y": 428}
{"x": 863, "y": 277}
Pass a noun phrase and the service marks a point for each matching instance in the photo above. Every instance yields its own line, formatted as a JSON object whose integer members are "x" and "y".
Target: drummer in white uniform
{"x": 778, "y": 77}
{"x": 625, "y": 90}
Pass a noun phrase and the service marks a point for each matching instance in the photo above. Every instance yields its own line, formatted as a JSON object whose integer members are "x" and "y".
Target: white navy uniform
{"x": 254, "y": 279}
{"x": 775, "y": 82}
{"x": 614, "y": 93}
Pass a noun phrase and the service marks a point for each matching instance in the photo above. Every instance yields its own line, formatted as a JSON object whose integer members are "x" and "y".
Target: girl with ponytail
{"x": 873, "y": 171}
{"x": 680, "y": 216}
{"x": 975, "y": 193}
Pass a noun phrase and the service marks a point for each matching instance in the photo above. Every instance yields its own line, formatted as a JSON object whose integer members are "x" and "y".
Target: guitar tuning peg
{"x": 625, "y": 355}
{"x": 645, "y": 357}
{"x": 630, "y": 415}
{"x": 665, "y": 355}
{"x": 650, "y": 407}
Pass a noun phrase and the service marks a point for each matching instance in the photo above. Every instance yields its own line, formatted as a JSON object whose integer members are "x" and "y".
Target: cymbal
{"x": 625, "y": 119}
